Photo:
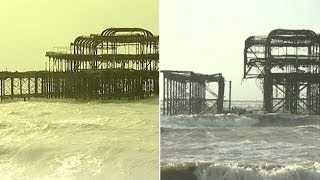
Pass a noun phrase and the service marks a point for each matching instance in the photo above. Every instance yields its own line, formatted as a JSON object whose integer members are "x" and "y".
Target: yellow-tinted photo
{"x": 79, "y": 88}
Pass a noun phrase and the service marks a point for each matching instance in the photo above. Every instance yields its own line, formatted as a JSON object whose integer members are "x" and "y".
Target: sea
{"x": 256, "y": 146}
{"x": 46, "y": 139}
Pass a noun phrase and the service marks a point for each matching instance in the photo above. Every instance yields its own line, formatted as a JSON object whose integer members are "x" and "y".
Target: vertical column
{"x": 190, "y": 97}
{"x": 221, "y": 94}
{"x": 170, "y": 97}
{"x": 287, "y": 91}
{"x": 295, "y": 98}
{"x": 196, "y": 97}
{"x": 167, "y": 88}
{"x": 230, "y": 96}
{"x": 49, "y": 92}
{"x": 175, "y": 96}
{"x": 35, "y": 86}
{"x": 180, "y": 95}
{"x": 12, "y": 88}
{"x": 21, "y": 92}
{"x": 29, "y": 89}
{"x": 20, "y": 85}
{"x": 43, "y": 86}
{"x": 164, "y": 94}
{"x": 1, "y": 91}
{"x": 309, "y": 97}
{"x": 267, "y": 91}
{"x": 267, "y": 81}
{"x": 318, "y": 98}
{"x": 204, "y": 94}
{"x": 184, "y": 94}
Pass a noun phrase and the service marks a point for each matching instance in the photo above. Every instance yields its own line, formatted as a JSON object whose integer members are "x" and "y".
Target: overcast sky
{"x": 29, "y": 28}
{"x": 207, "y": 36}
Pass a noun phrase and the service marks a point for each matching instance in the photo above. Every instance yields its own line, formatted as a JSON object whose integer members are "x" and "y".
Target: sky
{"x": 30, "y": 28}
{"x": 207, "y": 36}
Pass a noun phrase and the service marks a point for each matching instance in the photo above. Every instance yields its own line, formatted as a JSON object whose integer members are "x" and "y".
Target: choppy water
{"x": 241, "y": 147}
{"x": 66, "y": 139}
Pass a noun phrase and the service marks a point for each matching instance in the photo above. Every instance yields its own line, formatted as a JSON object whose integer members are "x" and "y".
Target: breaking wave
{"x": 202, "y": 171}
{"x": 234, "y": 120}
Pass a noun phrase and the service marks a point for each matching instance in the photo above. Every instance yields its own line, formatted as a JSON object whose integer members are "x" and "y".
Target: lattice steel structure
{"x": 288, "y": 63}
{"x": 186, "y": 92}
{"x": 113, "y": 48}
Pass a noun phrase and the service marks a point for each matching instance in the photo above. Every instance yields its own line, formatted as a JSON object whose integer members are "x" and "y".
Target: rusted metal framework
{"x": 105, "y": 84}
{"x": 113, "y": 48}
{"x": 186, "y": 92}
{"x": 119, "y": 63}
{"x": 288, "y": 62}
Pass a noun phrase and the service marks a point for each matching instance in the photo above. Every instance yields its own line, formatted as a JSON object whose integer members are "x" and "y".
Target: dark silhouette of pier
{"x": 119, "y": 63}
{"x": 186, "y": 92}
{"x": 288, "y": 62}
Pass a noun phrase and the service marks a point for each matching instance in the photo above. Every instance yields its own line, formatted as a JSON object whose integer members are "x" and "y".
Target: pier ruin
{"x": 287, "y": 62}
{"x": 186, "y": 92}
{"x": 118, "y": 63}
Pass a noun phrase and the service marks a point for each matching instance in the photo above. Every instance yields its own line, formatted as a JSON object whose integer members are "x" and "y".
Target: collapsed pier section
{"x": 288, "y": 63}
{"x": 186, "y": 92}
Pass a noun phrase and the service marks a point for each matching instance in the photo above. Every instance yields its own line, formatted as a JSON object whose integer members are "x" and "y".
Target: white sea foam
{"x": 234, "y": 172}
{"x": 234, "y": 120}
{"x": 66, "y": 139}
{"x": 200, "y": 121}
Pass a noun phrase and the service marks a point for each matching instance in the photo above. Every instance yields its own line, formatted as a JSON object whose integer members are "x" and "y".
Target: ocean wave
{"x": 233, "y": 120}
{"x": 205, "y": 171}
{"x": 228, "y": 120}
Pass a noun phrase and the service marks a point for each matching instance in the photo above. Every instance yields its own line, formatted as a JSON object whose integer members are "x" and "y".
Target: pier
{"x": 288, "y": 63}
{"x": 186, "y": 92}
{"x": 119, "y": 63}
